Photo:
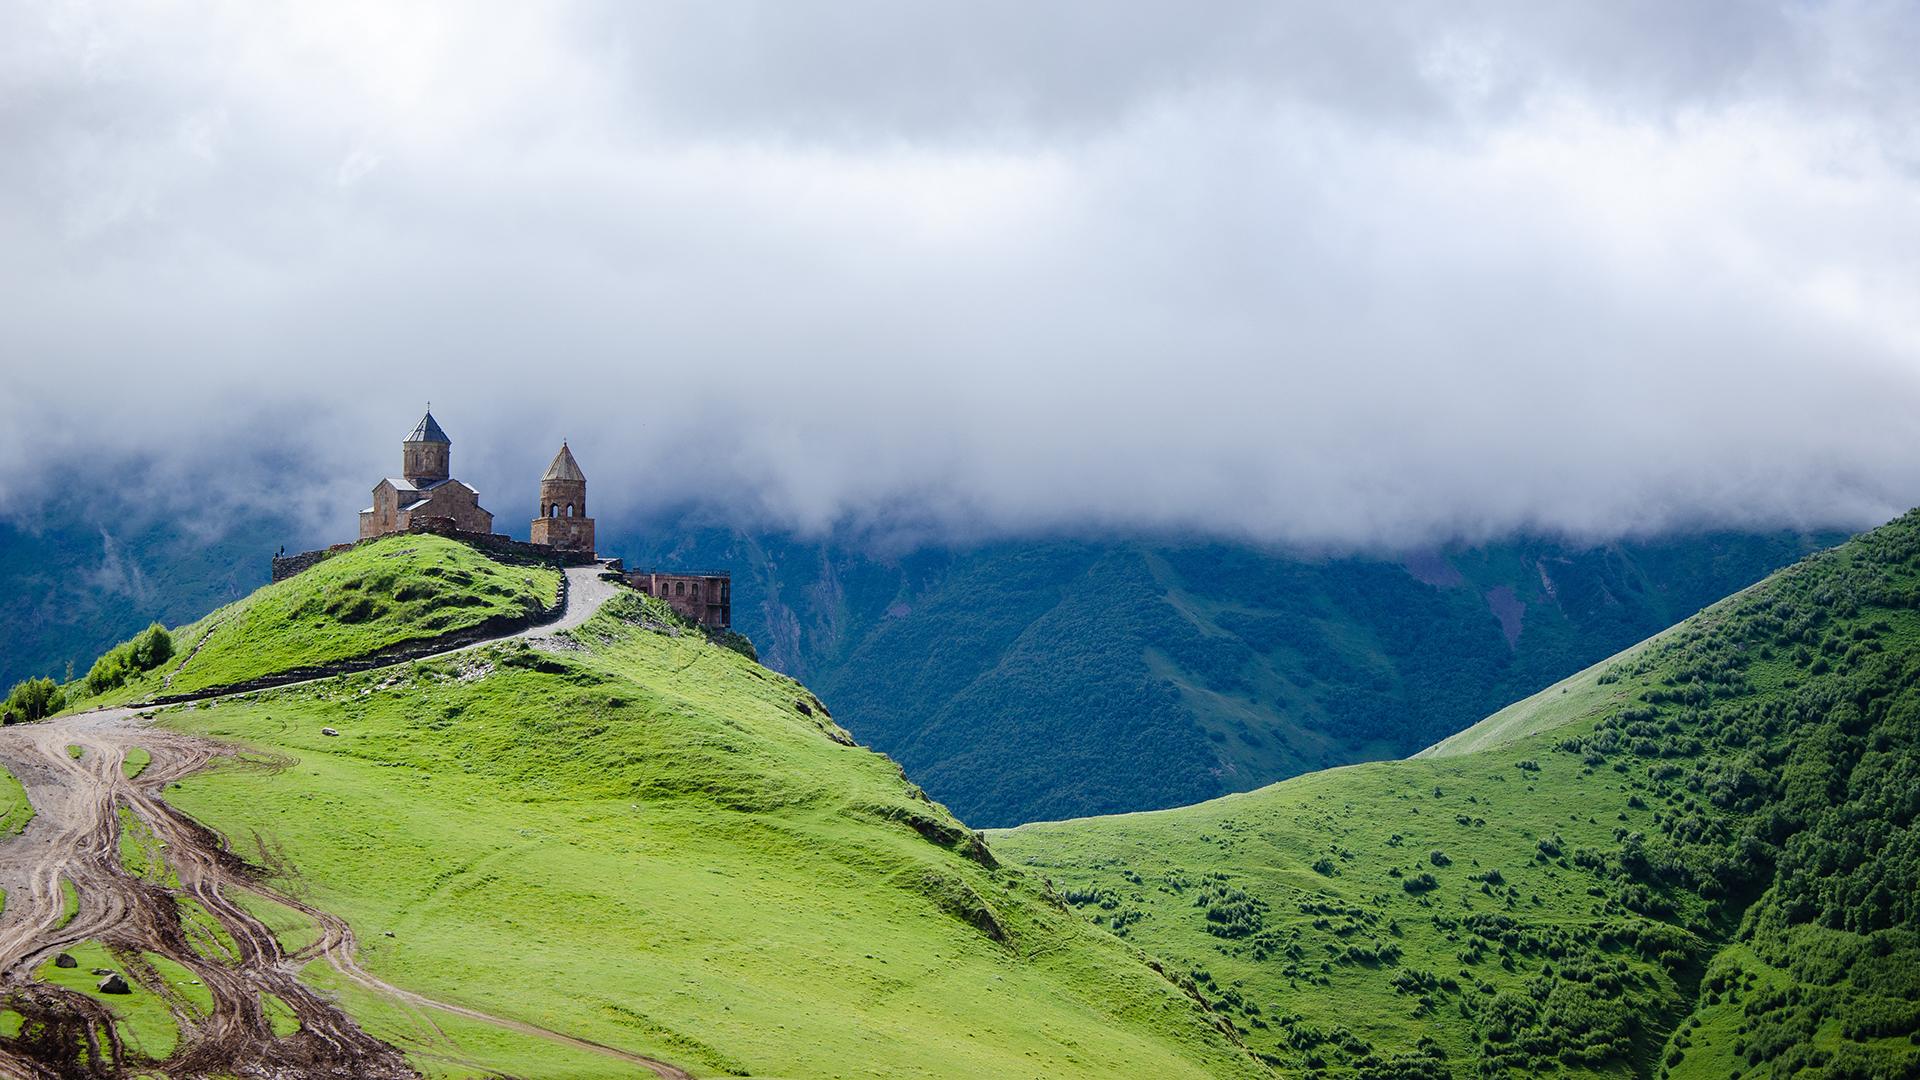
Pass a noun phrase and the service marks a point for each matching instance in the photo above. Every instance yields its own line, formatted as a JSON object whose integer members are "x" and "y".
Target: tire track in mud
{"x": 75, "y": 835}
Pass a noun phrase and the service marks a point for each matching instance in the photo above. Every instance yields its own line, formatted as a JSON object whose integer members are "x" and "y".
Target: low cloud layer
{"x": 1352, "y": 277}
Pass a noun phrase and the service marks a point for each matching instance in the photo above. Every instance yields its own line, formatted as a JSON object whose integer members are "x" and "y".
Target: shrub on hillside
{"x": 32, "y": 700}
{"x": 1421, "y": 882}
{"x": 148, "y": 650}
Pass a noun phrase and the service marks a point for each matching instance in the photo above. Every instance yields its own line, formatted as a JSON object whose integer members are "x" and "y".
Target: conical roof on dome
{"x": 428, "y": 430}
{"x": 564, "y": 467}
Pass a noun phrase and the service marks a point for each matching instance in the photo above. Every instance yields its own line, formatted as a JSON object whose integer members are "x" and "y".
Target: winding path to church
{"x": 75, "y": 835}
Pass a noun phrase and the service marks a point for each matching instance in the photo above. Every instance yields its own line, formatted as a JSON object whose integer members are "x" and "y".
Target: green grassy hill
{"x": 1699, "y": 858}
{"x": 389, "y": 592}
{"x": 647, "y": 840}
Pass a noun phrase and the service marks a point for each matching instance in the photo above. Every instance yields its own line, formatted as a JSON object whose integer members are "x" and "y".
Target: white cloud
{"x": 1322, "y": 276}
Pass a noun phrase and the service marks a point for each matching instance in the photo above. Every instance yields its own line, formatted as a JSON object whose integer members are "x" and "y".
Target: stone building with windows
{"x": 563, "y": 523}
{"x": 425, "y": 489}
{"x": 704, "y": 596}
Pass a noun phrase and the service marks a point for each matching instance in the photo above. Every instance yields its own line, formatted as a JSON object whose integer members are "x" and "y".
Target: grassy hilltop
{"x": 390, "y": 592}
{"x": 1699, "y": 859}
{"x": 647, "y": 840}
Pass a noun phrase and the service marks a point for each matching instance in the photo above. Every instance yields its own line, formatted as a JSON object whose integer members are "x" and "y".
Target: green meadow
{"x": 650, "y": 841}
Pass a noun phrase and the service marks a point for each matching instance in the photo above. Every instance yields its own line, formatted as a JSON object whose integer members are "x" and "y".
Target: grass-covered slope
{"x": 650, "y": 841}
{"x": 1700, "y": 859}
{"x": 389, "y": 592}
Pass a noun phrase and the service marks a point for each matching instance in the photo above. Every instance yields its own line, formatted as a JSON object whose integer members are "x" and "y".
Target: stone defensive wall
{"x": 502, "y": 547}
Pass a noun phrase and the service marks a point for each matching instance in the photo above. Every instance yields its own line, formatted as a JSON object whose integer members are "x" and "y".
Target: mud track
{"x": 75, "y": 835}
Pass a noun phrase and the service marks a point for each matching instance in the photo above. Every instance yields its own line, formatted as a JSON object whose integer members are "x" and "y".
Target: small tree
{"x": 34, "y": 699}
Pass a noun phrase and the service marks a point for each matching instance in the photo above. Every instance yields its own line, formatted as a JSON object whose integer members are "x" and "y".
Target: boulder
{"x": 62, "y": 960}
{"x": 328, "y": 731}
{"x": 114, "y": 984}
{"x": 103, "y": 971}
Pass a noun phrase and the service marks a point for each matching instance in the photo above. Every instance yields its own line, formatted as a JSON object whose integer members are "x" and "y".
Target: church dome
{"x": 564, "y": 467}
{"x": 428, "y": 430}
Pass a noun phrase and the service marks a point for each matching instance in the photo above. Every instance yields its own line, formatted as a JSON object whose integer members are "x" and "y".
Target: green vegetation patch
{"x": 129, "y": 660}
{"x": 648, "y": 840}
{"x": 32, "y": 699}
{"x": 15, "y": 808}
{"x": 204, "y": 932}
{"x": 143, "y": 1016}
{"x": 1699, "y": 860}
{"x": 142, "y": 853}
{"x": 135, "y": 762}
{"x": 280, "y": 1015}
{"x": 69, "y": 901}
{"x": 390, "y": 592}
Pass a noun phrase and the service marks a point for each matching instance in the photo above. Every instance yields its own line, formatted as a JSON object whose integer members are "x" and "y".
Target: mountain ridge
{"x": 1695, "y": 859}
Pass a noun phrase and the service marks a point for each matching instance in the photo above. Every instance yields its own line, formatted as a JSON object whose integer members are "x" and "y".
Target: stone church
{"x": 426, "y": 498}
{"x": 424, "y": 490}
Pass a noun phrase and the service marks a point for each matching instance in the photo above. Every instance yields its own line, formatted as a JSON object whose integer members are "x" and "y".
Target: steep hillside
{"x": 629, "y": 836}
{"x": 1032, "y": 680}
{"x": 1699, "y": 859}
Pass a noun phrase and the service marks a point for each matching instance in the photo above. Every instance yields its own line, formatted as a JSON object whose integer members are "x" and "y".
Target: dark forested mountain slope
{"x": 1047, "y": 679}
{"x": 72, "y": 585}
{"x": 1700, "y": 859}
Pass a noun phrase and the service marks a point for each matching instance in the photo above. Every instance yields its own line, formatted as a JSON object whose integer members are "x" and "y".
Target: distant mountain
{"x": 1022, "y": 681}
{"x": 1035, "y": 679}
{"x": 73, "y": 585}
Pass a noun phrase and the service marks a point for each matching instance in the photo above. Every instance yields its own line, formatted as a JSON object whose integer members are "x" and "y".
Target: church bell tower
{"x": 563, "y": 522}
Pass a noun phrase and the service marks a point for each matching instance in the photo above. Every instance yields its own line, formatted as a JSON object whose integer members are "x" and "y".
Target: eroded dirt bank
{"x": 75, "y": 835}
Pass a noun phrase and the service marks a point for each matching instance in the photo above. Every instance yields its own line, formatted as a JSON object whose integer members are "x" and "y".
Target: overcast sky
{"x": 1348, "y": 273}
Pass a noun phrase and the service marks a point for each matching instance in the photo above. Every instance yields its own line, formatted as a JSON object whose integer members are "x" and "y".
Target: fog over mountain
{"x": 1380, "y": 275}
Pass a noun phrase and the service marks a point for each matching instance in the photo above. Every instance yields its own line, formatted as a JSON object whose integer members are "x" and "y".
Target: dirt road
{"x": 75, "y": 835}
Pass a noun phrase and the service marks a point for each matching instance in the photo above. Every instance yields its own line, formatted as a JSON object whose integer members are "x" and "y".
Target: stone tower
{"x": 563, "y": 522}
{"x": 423, "y": 457}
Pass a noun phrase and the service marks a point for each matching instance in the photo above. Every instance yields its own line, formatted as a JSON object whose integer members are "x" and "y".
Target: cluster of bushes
{"x": 1805, "y": 796}
{"x": 148, "y": 650}
{"x": 32, "y": 700}
{"x": 1230, "y": 912}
